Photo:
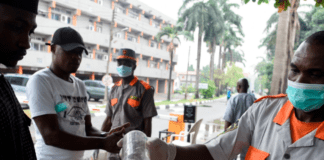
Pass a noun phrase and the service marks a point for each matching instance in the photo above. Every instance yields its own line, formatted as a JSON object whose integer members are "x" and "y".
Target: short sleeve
{"x": 108, "y": 107}
{"x": 40, "y": 96}
{"x": 229, "y": 113}
{"x": 149, "y": 109}
{"x": 231, "y": 143}
{"x": 250, "y": 100}
{"x": 82, "y": 85}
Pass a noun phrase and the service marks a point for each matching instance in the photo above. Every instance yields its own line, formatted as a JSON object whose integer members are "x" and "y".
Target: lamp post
{"x": 109, "y": 50}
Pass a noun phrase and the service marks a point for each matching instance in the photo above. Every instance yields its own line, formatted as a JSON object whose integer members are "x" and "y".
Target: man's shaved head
{"x": 242, "y": 85}
{"x": 316, "y": 38}
{"x": 307, "y": 63}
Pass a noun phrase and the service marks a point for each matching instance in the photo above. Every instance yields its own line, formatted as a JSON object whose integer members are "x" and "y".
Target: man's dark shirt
{"x": 15, "y": 139}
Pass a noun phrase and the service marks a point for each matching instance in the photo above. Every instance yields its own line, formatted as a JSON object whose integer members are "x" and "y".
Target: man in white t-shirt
{"x": 58, "y": 104}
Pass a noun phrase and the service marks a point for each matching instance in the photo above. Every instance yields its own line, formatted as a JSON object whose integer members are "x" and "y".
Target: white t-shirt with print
{"x": 44, "y": 91}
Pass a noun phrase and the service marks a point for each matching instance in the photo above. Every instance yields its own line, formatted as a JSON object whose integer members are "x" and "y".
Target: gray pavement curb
{"x": 181, "y": 104}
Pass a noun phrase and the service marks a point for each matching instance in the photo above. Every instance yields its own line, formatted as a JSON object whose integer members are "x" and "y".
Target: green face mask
{"x": 305, "y": 97}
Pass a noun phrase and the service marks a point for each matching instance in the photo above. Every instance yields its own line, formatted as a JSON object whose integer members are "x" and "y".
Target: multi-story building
{"x": 135, "y": 26}
{"x": 182, "y": 78}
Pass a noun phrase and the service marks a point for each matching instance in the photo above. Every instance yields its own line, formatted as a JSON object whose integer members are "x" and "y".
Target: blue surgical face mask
{"x": 305, "y": 97}
{"x": 124, "y": 71}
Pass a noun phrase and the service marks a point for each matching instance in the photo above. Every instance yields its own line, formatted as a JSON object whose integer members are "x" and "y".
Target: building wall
{"x": 90, "y": 12}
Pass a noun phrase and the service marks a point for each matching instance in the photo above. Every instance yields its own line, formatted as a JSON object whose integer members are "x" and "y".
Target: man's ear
{"x": 134, "y": 66}
{"x": 53, "y": 48}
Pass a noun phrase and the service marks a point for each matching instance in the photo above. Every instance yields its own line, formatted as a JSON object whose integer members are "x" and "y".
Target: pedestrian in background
{"x": 237, "y": 106}
{"x": 17, "y": 24}
{"x": 130, "y": 100}
{"x": 59, "y": 105}
{"x": 228, "y": 94}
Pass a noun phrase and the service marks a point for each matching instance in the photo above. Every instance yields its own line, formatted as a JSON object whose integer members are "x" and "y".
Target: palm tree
{"x": 213, "y": 32}
{"x": 194, "y": 17}
{"x": 173, "y": 33}
{"x": 235, "y": 56}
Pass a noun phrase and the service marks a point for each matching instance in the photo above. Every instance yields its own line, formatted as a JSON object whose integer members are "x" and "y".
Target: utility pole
{"x": 187, "y": 75}
{"x": 109, "y": 51}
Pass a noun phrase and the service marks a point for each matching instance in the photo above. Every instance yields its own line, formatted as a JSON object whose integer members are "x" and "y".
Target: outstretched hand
{"x": 110, "y": 142}
{"x": 124, "y": 126}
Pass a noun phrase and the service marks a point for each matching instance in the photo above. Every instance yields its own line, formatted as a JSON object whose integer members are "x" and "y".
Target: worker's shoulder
{"x": 118, "y": 83}
{"x": 145, "y": 84}
{"x": 271, "y": 97}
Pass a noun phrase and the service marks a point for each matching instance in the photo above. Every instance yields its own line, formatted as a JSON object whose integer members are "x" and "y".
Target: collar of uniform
{"x": 284, "y": 114}
{"x": 131, "y": 83}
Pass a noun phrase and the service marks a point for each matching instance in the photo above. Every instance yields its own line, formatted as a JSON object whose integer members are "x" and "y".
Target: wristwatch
{"x": 103, "y": 134}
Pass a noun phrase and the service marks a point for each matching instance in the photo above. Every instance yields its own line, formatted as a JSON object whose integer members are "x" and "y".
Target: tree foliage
{"x": 191, "y": 68}
{"x": 264, "y": 70}
{"x": 282, "y": 5}
{"x": 208, "y": 93}
{"x": 311, "y": 22}
{"x": 232, "y": 75}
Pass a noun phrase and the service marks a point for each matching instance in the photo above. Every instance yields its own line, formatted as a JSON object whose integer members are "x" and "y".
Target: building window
{"x": 57, "y": 9}
{"x": 100, "y": 2}
{"x": 103, "y": 50}
{"x": 133, "y": 15}
{"x": 99, "y": 56}
{"x": 120, "y": 10}
{"x": 62, "y": 15}
{"x": 68, "y": 12}
{"x": 55, "y": 16}
{"x": 152, "y": 44}
{"x": 68, "y": 20}
{"x": 37, "y": 47}
{"x": 91, "y": 27}
{"x": 156, "y": 25}
{"x": 38, "y": 38}
{"x": 118, "y": 35}
{"x": 99, "y": 29}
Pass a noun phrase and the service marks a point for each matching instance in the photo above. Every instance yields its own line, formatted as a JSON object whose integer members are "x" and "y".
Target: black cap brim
{"x": 72, "y": 46}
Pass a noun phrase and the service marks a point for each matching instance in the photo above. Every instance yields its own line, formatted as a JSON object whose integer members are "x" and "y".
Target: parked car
{"x": 95, "y": 89}
{"x": 18, "y": 83}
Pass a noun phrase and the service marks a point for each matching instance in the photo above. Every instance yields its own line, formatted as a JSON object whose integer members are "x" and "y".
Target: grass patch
{"x": 186, "y": 101}
{"x": 94, "y": 111}
{"x": 218, "y": 121}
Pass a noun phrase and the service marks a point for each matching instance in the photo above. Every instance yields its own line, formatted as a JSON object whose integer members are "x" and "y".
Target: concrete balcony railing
{"x": 48, "y": 27}
{"x": 105, "y": 13}
{"x": 43, "y": 60}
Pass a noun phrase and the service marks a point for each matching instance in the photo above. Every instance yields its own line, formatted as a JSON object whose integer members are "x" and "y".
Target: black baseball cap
{"x": 68, "y": 39}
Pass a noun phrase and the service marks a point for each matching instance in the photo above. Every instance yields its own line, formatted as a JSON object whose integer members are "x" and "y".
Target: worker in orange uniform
{"x": 130, "y": 100}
